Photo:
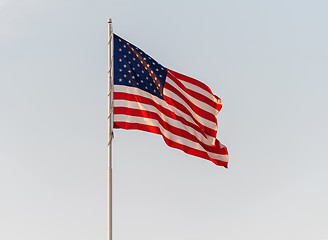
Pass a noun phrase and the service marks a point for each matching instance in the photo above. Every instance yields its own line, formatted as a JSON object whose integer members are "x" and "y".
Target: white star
{"x": 124, "y": 75}
{"x": 141, "y": 81}
{"x": 129, "y": 81}
{"x": 154, "y": 63}
{"x": 120, "y": 49}
{"x": 146, "y": 87}
{"x": 133, "y": 77}
{"x": 124, "y": 46}
{"x": 124, "y": 56}
{"x": 129, "y": 62}
{"x": 120, "y": 79}
{"x": 147, "y": 78}
{"x": 151, "y": 84}
{"x": 120, "y": 60}
{"x": 120, "y": 40}
{"x": 120, "y": 70}
{"x": 124, "y": 65}
{"x": 157, "y": 69}
{"x": 160, "y": 75}
{"x": 138, "y": 75}
{"x": 129, "y": 71}
{"x": 162, "y": 68}
{"x": 129, "y": 52}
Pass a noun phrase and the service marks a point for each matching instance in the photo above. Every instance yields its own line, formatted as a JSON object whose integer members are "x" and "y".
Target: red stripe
{"x": 137, "y": 98}
{"x": 191, "y": 80}
{"x": 183, "y": 109}
{"x": 196, "y": 95}
{"x": 224, "y": 150}
{"x": 169, "y": 142}
{"x": 177, "y": 131}
{"x": 201, "y": 112}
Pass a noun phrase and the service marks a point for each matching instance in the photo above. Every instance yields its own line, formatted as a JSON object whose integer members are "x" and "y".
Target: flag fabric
{"x": 152, "y": 98}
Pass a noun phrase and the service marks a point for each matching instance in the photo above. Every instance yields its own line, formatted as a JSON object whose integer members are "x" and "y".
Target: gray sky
{"x": 267, "y": 61}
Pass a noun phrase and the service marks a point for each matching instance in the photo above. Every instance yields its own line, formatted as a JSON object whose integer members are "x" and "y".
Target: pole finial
{"x": 109, "y": 20}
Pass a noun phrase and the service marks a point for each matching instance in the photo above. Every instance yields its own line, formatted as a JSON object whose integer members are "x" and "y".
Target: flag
{"x": 152, "y": 98}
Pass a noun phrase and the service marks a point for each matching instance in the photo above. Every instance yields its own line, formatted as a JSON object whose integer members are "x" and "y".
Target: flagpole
{"x": 110, "y": 126}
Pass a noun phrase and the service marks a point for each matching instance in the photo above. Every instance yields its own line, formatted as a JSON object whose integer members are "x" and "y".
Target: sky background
{"x": 267, "y": 61}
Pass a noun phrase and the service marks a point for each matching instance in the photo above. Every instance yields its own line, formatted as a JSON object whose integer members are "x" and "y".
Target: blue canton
{"x": 134, "y": 68}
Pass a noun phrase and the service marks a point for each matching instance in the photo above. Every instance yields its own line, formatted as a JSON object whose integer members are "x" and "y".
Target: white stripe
{"x": 168, "y": 134}
{"x": 198, "y": 118}
{"x": 137, "y": 91}
{"x": 208, "y": 140}
{"x": 203, "y": 105}
{"x": 199, "y": 90}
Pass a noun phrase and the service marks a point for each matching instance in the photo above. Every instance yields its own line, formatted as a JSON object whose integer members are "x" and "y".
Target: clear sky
{"x": 267, "y": 61}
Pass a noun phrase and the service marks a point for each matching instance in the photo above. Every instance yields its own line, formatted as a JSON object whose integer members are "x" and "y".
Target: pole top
{"x": 109, "y": 20}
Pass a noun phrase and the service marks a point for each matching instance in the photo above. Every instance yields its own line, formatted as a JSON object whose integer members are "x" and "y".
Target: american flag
{"x": 152, "y": 98}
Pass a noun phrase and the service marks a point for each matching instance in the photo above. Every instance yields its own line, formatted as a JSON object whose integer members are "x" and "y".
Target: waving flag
{"x": 152, "y": 98}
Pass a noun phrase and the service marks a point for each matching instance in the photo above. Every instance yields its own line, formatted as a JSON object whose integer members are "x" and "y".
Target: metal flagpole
{"x": 110, "y": 125}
